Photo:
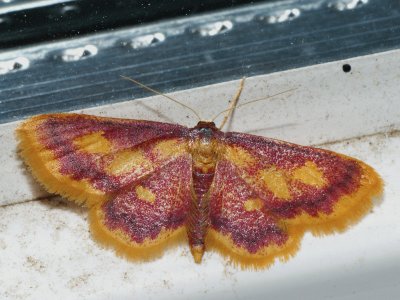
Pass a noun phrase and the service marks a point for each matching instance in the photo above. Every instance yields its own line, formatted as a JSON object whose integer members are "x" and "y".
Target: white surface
{"x": 46, "y": 252}
{"x": 328, "y": 105}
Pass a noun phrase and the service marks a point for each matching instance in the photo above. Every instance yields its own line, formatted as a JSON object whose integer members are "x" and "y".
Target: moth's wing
{"x": 87, "y": 158}
{"x": 134, "y": 175}
{"x": 267, "y": 193}
{"x": 241, "y": 228}
{"x": 149, "y": 214}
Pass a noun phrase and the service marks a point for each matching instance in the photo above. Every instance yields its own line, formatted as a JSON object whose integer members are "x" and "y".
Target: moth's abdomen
{"x": 204, "y": 156}
{"x": 202, "y": 182}
{"x": 198, "y": 220}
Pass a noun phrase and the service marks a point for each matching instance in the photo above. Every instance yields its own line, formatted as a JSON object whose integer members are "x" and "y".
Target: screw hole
{"x": 75, "y": 54}
{"x": 17, "y": 66}
{"x": 86, "y": 52}
{"x": 147, "y": 40}
{"x": 346, "y": 68}
{"x": 214, "y": 28}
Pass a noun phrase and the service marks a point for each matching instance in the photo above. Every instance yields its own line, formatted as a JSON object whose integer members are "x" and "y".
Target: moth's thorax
{"x": 204, "y": 146}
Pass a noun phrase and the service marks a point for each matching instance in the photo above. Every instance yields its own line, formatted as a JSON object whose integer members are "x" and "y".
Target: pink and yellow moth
{"x": 149, "y": 185}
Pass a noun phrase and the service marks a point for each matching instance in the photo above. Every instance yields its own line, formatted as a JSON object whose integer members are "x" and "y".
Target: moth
{"x": 149, "y": 185}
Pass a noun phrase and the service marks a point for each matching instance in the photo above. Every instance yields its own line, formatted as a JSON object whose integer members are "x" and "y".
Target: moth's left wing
{"x": 88, "y": 158}
{"x": 267, "y": 193}
{"x": 134, "y": 175}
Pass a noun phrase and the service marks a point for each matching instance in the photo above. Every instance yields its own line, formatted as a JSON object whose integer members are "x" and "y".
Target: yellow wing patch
{"x": 94, "y": 143}
{"x": 279, "y": 181}
{"x": 253, "y": 204}
{"x": 310, "y": 174}
{"x": 276, "y": 182}
{"x": 239, "y": 157}
{"x": 126, "y": 160}
{"x": 169, "y": 148}
{"x": 145, "y": 194}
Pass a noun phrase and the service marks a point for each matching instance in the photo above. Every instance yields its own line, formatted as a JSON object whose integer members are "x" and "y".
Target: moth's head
{"x": 206, "y": 124}
{"x": 204, "y": 129}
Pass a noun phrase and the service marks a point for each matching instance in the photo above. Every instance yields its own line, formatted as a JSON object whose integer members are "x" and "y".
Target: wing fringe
{"x": 37, "y": 158}
{"x": 137, "y": 252}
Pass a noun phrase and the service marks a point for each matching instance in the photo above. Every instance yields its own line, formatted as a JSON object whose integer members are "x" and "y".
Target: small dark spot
{"x": 346, "y": 68}
{"x": 17, "y": 66}
{"x": 223, "y": 28}
{"x": 86, "y": 53}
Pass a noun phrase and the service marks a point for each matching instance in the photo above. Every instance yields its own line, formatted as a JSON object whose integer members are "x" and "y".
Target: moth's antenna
{"x": 252, "y": 101}
{"x": 161, "y": 94}
{"x": 235, "y": 100}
